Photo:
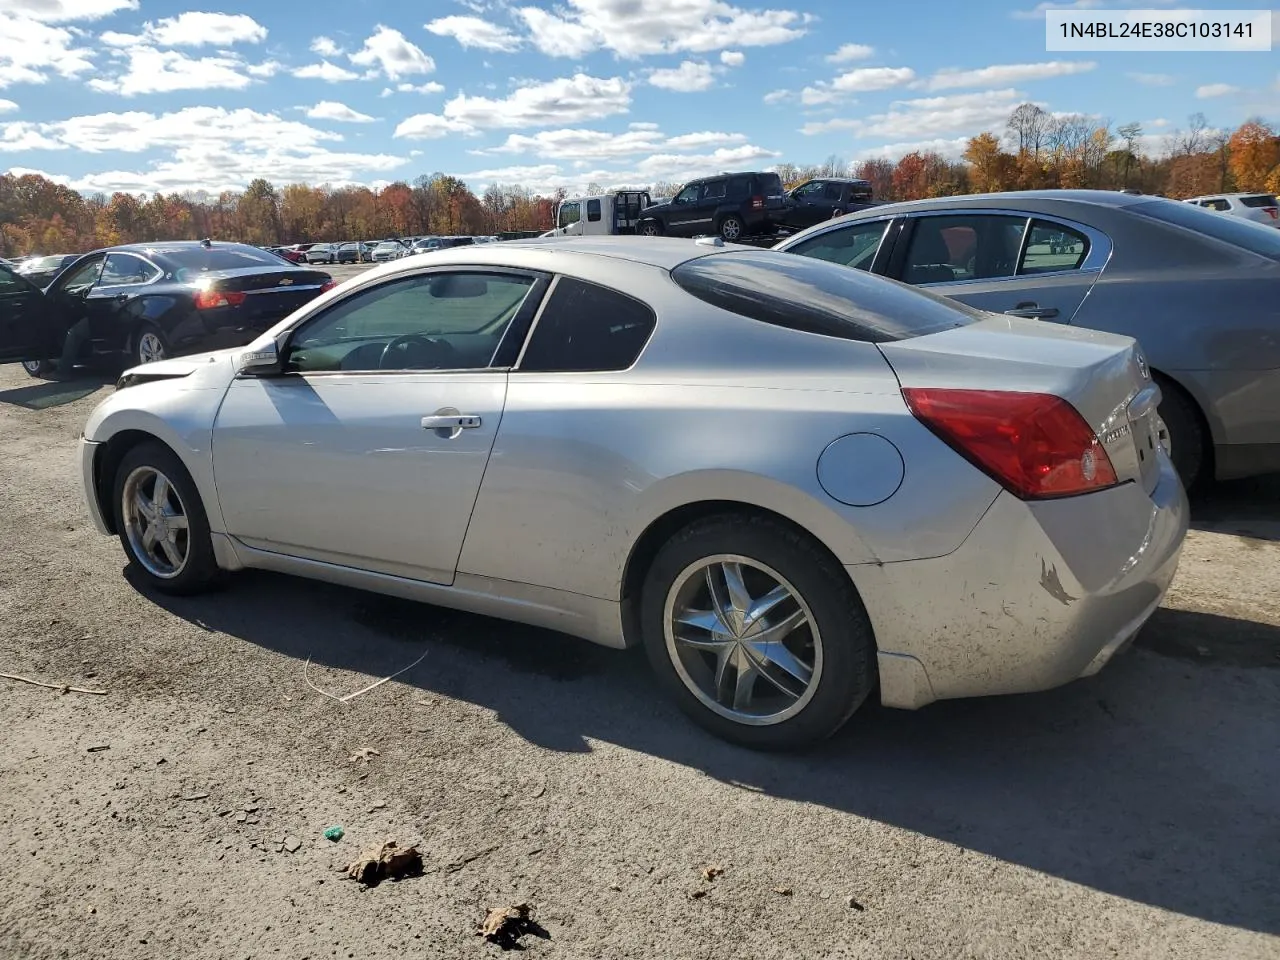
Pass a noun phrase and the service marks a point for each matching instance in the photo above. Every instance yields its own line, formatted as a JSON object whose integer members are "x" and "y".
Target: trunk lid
{"x": 1104, "y": 376}
{"x": 272, "y": 293}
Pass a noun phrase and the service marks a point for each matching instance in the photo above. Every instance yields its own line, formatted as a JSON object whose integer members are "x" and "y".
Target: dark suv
{"x": 821, "y": 199}
{"x": 733, "y": 205}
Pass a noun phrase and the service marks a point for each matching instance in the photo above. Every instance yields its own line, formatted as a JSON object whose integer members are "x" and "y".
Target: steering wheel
{"x": 428, "y": 348}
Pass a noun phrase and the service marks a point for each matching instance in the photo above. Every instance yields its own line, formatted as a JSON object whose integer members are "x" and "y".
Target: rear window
{"x": 1260, "y": 200}
{"x": 1254, "y": 237}
{"x": 200, "y": 260}
{"x": 816, "y": 296}
{"x": 770, "y": 184}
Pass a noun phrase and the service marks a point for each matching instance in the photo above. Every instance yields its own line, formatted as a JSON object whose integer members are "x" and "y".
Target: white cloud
{"x": 1210, "y": 90}
{"x": 1151, "y": 79}
{"x": 7, "y": 106}
{"x": 324, "y": 70}
{"x": 64, "y": 11}
{"x": 32, "y": 52}
{"x": 268, "y": 68}
{"x": 20, "y": 137}
{"x": 861, "y": 80}
{"x": 332, "y": 110}
{"x": 950, "y": 78}
{"x": 906, "y": 120}
{"x": 952, "y": 149}
{"x": 325, "y": 47}
{"x": 208, "y": 149}
{"x": 474, "y": 32}
{"x": 583, "y": 145}
{"x": 149, "y": 70}
{"x": 679, "y": 166}
{"x": 429, "y": 87}
{"x": 777, "y": 96}
{"x": 195, "y": 29}
{"x": 632, "y": 29}
{"x": 850, "y": 52}
{"x": 388, "y": 50}
{"x": 689, "y": 77}
{"x": 564, "y": 100}
{"x": 733, "y": 58}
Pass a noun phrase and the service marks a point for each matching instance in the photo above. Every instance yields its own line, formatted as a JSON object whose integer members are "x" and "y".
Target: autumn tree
{"x": 1254, "y": 153}
{"x": 990, "y": 167}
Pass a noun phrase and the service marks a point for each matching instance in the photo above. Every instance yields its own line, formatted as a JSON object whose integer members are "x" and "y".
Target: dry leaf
{"x": 506, "y": 925}
{"x": 386, "y": 861}
{"x": 710, "y": 873}
{"x": 364, "y": 753}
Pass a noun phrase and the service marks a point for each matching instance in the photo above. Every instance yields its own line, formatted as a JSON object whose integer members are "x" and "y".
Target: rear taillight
{"x": 757, "y": 203}
{"x": 208, "y": 299}
{"x": 1035, "y": 445}
{"x": 1274, "y": 212}
{"x": 328, "y": 285}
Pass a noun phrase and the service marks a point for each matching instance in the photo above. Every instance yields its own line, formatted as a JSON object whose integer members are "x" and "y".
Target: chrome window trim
{"x": 159, "y": 273}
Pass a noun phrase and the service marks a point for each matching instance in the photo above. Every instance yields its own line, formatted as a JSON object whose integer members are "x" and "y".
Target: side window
{"x": 831, "y": 191}
{"x": 433, "y": 321}
{"x": 688, "y": 195}
{"x": 593, "y": 210}
{"x": 715, "y": 189}
{"x": 739, "y": 187}
{"x": 853, "y": 246}
{"x": 83, "y": 278}
{"x": 587, "y": 327}
{"x": 123, "y": 270}
{"x": 966, "y": 247}
{"x": 1052, "y": 247}
{"x": 9, "y": 282}
{"x": 810, "y": 190}
{"x": 570, "y": 213}
{"x": 1219, "y": 205}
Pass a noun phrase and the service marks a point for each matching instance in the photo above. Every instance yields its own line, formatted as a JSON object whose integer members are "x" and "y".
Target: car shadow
{"x": 43, "y": 394}
{"x": 1242, "y": 508}
{"x": 1144, "y": 782}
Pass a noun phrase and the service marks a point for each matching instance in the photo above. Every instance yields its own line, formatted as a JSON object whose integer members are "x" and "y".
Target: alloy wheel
{"x": 731, "y": 229}
{"x": 150, "y": 348}
{"x": 742, "y": 640}
{"x": 156, "y": 523}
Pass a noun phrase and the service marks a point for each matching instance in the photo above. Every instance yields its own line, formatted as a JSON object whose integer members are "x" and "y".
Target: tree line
{"x": 1037, "y": 150}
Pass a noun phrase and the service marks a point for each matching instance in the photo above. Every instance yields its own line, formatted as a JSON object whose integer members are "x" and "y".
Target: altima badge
{"x": 286, "y": 281}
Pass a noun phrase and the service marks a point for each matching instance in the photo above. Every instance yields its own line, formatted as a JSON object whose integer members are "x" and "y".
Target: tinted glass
{"x": 82, "y": 277}
{"x": 974, "y": 247}
{"x": 123, "y": 270}
{"x": 593, "y": 210}
{"x": 1259, "y": 200}
{"x": 587, "y": 327}
{"x": 1238, "y": 231}
{"x": 9, "y": 282}
{"x": 739, "y": 187}
{"x": 194, "y": 260}
{"x": 570, "y": 213}
{"x": 812, "y": 295}
{"x": 812, "y": 189}
{"x": 851, "y": 246}
{"x": 715, "y": 189}
{"x": 1052, "y": 247}
{"x": 860, "y": 192}
{"x": 770, "y": 184}
{"x": 687, "y": 195}
{"x": 436, "y": 321}
{"x": 831, "y": 191}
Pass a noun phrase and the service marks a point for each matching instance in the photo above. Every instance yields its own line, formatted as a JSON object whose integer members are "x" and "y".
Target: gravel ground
{"x": 1130, "y": 815}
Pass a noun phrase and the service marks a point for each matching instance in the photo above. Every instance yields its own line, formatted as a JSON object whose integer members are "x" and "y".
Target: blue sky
{"x": 146, "y": 95}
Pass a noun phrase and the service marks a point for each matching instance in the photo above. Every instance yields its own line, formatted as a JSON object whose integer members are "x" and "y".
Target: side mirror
{"x": 261, "y": 362}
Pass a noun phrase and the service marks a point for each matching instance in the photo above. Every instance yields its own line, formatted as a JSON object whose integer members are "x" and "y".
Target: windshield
{"x": 196, "y": 260}
{"x": 819, "y": 297}
{"x": 1237, "y": 231}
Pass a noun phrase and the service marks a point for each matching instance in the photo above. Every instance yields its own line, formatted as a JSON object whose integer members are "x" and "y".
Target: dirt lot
{"x": 1131, "y": 815}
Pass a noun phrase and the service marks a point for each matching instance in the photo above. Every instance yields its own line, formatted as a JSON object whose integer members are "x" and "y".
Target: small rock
{"x": 223, "y": 811}
{"x": 160, "y": 760}
{"x": 195, "y": 796}
{"x": 784, "y": 891}
{"x": 241, "y": 817}
{"x": 292, "y": 844}
{"x": 279, "y": 846}
{"x": 710, "y": 873}
{"x": 697, "y": 894}
{"x": 99, "y": 748}
{"x": 615, "y": 887}
{"x": 853, "y": 903}
{"x": 378, "y": 806}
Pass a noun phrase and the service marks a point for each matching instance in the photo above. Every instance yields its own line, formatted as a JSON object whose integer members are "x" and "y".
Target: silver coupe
{"x": 794, "y": 484}
{"x": 1199, "y": 291}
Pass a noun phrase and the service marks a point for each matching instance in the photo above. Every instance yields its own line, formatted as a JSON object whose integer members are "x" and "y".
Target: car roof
{"x": 549, "y": 253}
{"x": 1100, "y": 198}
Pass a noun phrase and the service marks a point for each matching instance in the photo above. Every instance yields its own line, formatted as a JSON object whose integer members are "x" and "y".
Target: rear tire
{"x": 152, "y": 491}
{"x": 731, "y": 229}
{"x": 649, "y": 228}
{"x": 148, "y": 345}
{"x": 1188, "y": 443}
{"x": 818, "y": 628}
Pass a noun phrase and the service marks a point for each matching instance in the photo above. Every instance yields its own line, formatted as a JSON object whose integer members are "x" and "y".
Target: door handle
{"x": 455, "y": 422}
{"x": 1032, "y": 311}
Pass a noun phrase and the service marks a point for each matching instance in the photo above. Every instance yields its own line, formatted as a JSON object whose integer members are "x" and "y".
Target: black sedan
{"x": 144, "y": 302}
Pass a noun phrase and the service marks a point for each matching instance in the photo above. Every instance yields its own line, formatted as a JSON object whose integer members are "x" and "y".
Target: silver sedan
{"x": 796, "y": 485}
{"x": 1199, "y": 291}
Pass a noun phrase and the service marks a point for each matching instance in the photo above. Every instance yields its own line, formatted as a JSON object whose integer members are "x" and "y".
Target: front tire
{"x": 161, "y": 521}
{"x": 756, "y": 633}
{"x": 649, "y": 228}
{"x": 40, "y": 369}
